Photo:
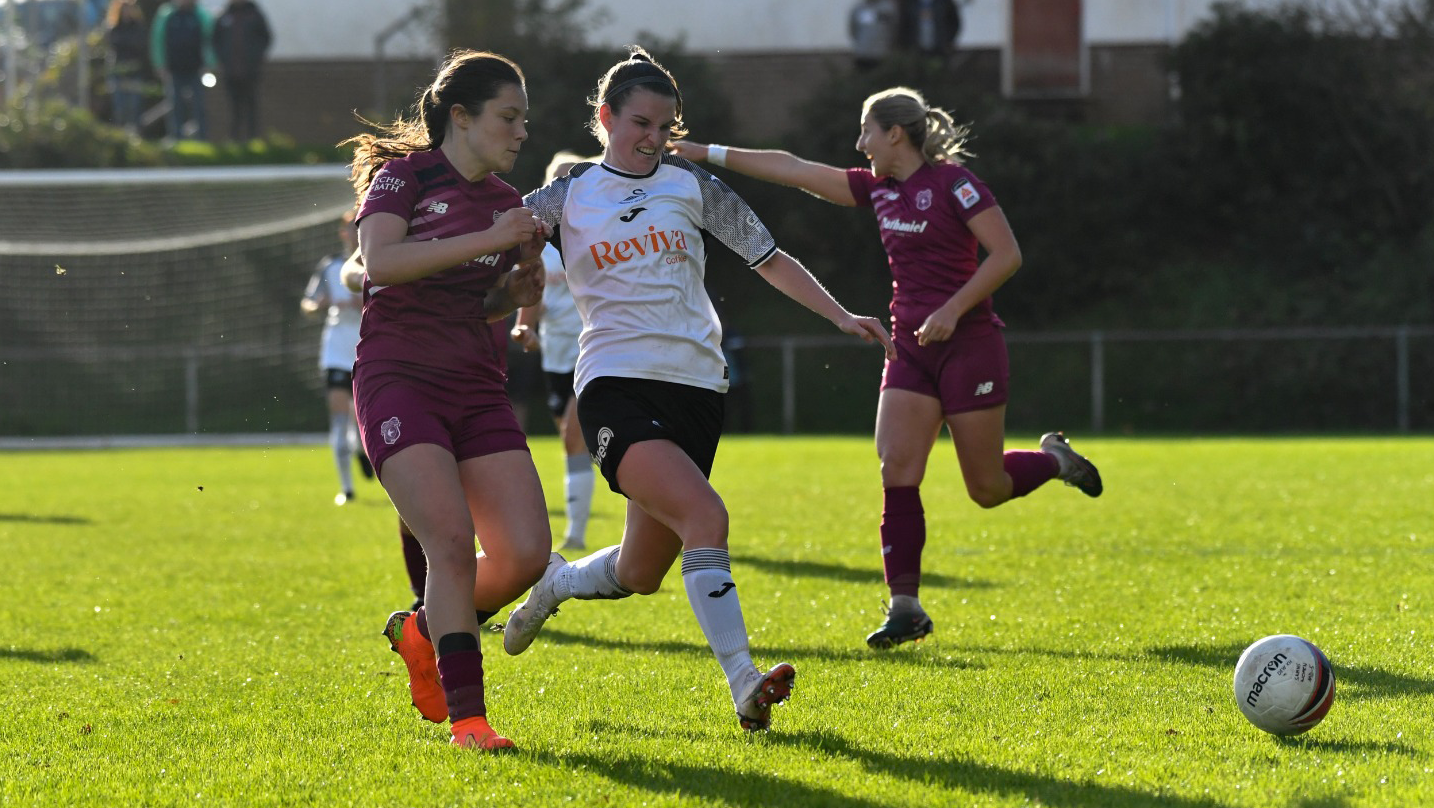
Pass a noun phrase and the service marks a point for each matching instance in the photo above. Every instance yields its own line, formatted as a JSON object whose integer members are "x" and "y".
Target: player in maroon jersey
{"x": 447, "y": 248}
{"x": 951, "y": 367}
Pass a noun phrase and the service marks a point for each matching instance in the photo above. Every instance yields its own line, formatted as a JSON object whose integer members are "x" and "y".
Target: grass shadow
{"x": 716, "y": 785}
{"x": 47, "y": 656}
{"x": 713, "y": 785}
{"x": 1363, "y": 682}
{"x": 41, "y": 519}
{"x": 953, "y": 772}
{"x": 796, "y": 568}
{"x": 783, "y": 652}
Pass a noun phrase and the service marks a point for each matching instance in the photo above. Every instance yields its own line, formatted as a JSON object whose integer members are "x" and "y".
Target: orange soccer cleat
{"x": 417, "y": 652}
{"x": 474, "y": 733}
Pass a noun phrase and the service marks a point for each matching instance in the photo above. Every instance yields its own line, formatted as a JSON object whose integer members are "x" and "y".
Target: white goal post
{"x": 163, "y": 301}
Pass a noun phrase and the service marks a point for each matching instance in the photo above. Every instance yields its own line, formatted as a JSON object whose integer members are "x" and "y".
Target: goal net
{"x": 163, "y": 302}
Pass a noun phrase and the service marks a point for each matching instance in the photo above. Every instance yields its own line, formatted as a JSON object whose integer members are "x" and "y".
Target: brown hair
{"x": 468, "y": 79}
{"x": 931, "y": 129}
{"x": 639, "y": 69}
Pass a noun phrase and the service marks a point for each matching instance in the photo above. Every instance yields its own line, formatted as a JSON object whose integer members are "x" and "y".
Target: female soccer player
{"x": 558, "y": 326}
{"x": 650, "y": 374}
{"x": 448, "y": 247}
{"x": 327, "y": 294}
{"x": 950, "y": 365}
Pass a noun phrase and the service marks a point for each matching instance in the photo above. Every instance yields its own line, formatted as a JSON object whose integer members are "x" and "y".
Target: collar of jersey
{"x": 620, "y": 173}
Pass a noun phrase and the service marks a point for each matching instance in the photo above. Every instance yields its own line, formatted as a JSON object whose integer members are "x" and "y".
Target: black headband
{"x": 630, "y": 83}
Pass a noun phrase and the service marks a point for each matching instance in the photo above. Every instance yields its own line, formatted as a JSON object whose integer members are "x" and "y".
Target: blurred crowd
{"x": 184, "y": 50}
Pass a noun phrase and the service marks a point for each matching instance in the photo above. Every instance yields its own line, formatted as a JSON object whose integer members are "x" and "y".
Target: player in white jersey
{"x": 342, "y": 309}
{"x": 650, "y": 373}
{"x": 558, "y": 326}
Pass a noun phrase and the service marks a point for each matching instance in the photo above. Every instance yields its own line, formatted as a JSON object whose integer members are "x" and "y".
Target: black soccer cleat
{"x": 1077, "y": 471}
{"x": 899, "y": 628}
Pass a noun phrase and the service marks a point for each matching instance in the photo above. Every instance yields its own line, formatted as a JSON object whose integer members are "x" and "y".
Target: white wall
{"x": 343, "y": 29}
{"x": 821, "y": 25}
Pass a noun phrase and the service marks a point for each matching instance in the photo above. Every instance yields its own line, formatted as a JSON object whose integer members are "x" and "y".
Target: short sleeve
{"x": 861, "y": 181}
{"x": 394, "y": 190}
{"x": 729, "y": 218}
{"x": 547, "y": 201}
{"x": 969, "y": 195}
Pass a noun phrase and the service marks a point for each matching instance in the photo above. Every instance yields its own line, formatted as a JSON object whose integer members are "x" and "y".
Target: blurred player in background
{"x": 558, "y": 326}
{"x": 447, "y": 248}
{"x": 650, "y": 375}
{"x": 950, "y": 365}
{"x": 327, "y": 294}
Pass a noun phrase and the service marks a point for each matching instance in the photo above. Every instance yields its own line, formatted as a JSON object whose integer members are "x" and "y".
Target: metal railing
{"x": 1099, "y": 340}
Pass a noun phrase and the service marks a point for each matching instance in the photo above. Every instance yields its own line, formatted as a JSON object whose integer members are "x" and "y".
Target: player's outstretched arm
{"x": 793, "y": 280}
{"x": 781, "y": 167}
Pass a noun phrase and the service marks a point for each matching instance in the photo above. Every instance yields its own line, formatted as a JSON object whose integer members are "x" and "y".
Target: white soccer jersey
{"x": 561, "y": 324}
{"x": 632, "y": 247}
{"x": 341, "y": 322}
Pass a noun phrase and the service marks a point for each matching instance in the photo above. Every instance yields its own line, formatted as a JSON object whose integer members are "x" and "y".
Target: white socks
{"x": 904, "y": 604}
{"x": 578, "y": 487}
{"x": 343, "y": 449}
{"x": 592, "y": 577}
{"x": 707, "y": 575}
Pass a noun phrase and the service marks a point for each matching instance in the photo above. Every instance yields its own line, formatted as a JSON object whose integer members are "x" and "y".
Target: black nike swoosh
{"x": 720, "y": 592}
{"x": 632, "y": 214}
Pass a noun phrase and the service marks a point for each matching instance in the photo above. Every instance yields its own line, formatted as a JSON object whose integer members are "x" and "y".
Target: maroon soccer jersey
{"x": 436, "y": 321}
{"x": 923, "y": 228}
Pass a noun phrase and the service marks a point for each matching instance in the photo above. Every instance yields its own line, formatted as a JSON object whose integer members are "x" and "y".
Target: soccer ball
{"x": 1284, "y": 684}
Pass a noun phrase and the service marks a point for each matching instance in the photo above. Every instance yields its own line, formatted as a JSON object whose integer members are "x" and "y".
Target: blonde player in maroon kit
{"x": 448, "y": 247}
{"x": 951, "y": 364}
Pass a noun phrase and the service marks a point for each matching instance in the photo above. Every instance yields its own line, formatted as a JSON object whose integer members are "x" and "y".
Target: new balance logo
{"x": 727, "y": 587}
{"x": 984, "y": 388}
{"x": 439, "y": 208}
{"x": 632, "y": 214}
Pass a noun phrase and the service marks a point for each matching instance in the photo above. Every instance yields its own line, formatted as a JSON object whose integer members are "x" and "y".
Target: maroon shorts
{"x": 966, "y": 372}
{"x": 399, "y": 407}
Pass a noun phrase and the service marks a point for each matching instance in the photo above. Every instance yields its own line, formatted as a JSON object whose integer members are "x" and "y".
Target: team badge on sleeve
{"x": 966, "y": 193}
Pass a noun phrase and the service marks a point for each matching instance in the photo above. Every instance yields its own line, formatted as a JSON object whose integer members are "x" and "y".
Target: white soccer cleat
{"x": 527, "y": 620}
{"x": 754, "y": 711}
{"x": 1075, "y": 470}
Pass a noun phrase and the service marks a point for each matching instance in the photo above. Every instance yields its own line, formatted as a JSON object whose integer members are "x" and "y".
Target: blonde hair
{"x": 931, "y": 129}
{"x": 562, "y": 158}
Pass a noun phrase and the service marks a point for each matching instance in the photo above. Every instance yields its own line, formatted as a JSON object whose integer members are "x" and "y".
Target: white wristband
{"x": 717, "y": 155}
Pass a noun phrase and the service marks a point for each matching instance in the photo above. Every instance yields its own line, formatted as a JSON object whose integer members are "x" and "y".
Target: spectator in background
{"x": 241, "y": 41}
{"x": 342, "y": 308}
{"x": 873, "y": 26}
{"x": 125, "y": 44}
{"x": 181, "y": 49}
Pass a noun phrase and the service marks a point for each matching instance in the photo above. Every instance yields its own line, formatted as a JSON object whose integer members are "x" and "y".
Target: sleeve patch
{"x": 966, "y": 193}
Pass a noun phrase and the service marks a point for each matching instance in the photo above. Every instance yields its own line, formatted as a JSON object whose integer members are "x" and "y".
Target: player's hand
{"x": 525, "y": 337}
{"x": 518, "y": 226}
{"x": 869, "y": 329}
{"x": 526, "y": 282}
{"x": 688, "y": 150}
{"x": 938, "y": 327}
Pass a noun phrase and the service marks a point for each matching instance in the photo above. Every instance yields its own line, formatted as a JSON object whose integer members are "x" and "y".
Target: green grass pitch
{"x": 201, "y": 627}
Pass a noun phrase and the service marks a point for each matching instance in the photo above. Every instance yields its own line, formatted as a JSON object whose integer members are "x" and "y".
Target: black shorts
{"x": 560, "y": 392}
{"x": 336, "y": 379}
{"x": 616, "y": 412}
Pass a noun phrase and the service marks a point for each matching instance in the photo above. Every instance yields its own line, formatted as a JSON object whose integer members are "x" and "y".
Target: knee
{"x": 644, "y": 587}
{"x": 706, "y": 525}
{"x": 452, "y": 553}
{"x": 988, "y": 495}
